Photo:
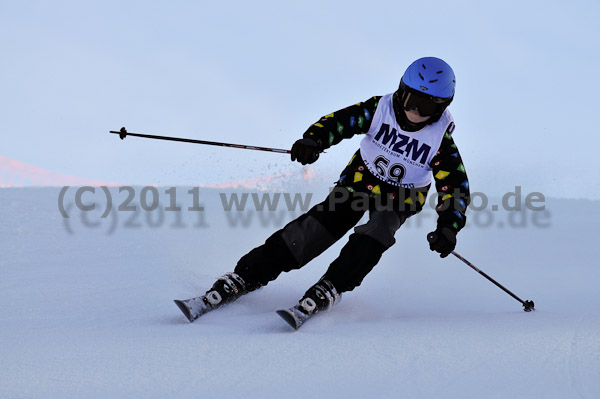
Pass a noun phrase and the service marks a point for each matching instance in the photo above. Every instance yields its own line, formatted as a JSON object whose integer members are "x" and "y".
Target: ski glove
{"x": 442, "y": 240}
{"x": 306, "y": 151}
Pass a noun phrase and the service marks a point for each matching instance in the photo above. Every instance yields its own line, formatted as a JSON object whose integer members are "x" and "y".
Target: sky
{"x": 261, "y": 72}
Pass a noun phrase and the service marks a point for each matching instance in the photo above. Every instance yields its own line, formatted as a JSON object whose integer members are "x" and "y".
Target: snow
{"x": 87, "y": 311}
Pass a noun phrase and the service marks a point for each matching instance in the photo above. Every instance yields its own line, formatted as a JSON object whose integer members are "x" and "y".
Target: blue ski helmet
{"x": 427, "y": 86}
{"x": 431, "y": 76}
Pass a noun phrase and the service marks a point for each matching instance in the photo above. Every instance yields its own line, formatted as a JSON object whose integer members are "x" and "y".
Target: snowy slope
{"x": 87, "y": 311}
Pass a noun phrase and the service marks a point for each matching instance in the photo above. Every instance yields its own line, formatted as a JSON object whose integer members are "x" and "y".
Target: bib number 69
{"x": 394, "y": 173}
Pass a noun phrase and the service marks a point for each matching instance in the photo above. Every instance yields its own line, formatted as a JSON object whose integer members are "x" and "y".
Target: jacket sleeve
{"x": 452, "y": 184}
{"x": 343, "y": 124}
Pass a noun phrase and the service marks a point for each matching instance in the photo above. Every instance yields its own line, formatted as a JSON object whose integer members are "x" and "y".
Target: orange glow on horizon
{"x": 14, "y": 173}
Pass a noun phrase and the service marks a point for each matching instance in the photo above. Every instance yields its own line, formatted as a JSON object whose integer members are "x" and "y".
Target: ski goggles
{"x": 426, "y": 105}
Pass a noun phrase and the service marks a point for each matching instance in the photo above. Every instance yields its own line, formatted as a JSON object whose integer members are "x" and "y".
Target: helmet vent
{"x": 421, "y": 76}
{"x": 423, "y": 65}
{"x": 440, "y": 71}
{"x": 433, "y": 81}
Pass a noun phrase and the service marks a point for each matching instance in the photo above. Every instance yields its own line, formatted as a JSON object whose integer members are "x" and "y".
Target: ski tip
{"x": 184, "y": 309}
{"x": 289, "y": 318}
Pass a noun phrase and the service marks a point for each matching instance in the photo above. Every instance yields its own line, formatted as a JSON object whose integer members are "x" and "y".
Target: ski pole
{"x": 124, "y": 133}
{"x": 528, "y": 305}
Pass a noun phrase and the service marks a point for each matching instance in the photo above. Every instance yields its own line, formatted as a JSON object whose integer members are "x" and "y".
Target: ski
{"x": 194, "y": 307}
{"x": 294, "y": 316}
{"x": 227, "y": 288}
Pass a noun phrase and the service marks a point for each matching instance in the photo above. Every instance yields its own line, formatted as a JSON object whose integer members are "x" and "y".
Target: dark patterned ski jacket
{"x": 449, "y": 173}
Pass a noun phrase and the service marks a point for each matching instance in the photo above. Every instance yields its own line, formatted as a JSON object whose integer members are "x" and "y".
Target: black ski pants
{"x": 306, "y": 237}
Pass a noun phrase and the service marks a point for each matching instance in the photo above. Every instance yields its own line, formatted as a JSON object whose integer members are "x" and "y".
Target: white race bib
{"x": 398, "y": 157}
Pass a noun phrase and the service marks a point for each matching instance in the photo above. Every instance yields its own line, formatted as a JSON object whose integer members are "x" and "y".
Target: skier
{"x": 407, "y": 139}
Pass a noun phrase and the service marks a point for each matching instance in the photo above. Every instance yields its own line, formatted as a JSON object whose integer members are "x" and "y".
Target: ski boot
{"x": 227, "y": 288}
{"x": 318, "y": 298}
